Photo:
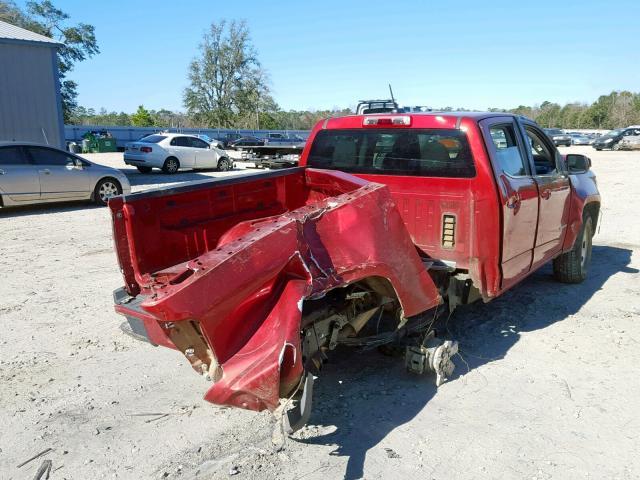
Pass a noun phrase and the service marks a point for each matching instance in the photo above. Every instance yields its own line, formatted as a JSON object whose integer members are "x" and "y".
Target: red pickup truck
{"x": 255, "y": 279}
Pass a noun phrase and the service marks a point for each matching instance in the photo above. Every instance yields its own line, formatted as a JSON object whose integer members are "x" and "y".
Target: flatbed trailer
{"x": 272, "y": 156}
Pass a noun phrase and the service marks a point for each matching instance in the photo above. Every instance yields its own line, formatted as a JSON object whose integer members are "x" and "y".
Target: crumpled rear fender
{"x": 245, "y": 299}
{"x": 269, "y": 365}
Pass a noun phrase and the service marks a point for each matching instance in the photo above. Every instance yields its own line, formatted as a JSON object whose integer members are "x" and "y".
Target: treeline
{"x": 618, "y": 109}
{"x": 141, "y": 118}
{"x": 229, "y": 88}
{"x": 273, "y": 120}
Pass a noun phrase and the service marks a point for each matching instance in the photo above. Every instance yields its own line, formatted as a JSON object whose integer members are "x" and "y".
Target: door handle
{"x": 46, "y": 171}
{"x": 545, "y": 194}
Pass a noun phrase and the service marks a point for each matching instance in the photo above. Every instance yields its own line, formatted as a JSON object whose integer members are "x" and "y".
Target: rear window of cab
{"x": 396, "y": 151}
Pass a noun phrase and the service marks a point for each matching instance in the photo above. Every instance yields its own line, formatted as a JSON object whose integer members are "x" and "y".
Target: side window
{"x": 12, "y": 156}
{"x": 181, "y": 142}
{"x": 197, "y": 143}
{"x": 508, "y": 155}
{"x": 49, "y": 157}
{"x": 543, "y": 156}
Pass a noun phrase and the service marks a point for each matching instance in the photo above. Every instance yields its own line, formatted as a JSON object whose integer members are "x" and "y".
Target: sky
{"x": 320, "y": 55}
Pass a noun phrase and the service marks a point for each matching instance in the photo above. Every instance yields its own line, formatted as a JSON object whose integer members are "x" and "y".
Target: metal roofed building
{"x": 30, "y": 102}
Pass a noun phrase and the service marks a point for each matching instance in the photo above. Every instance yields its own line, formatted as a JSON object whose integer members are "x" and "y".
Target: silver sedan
{"x": 580, "y": 139}
{"x": 31, "y": 173}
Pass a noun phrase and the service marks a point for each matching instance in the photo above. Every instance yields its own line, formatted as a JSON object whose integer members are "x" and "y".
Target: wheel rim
{"x": 172, "y": 165}
{"x": 107, "y": 190}
{"x": 224, "y": 165}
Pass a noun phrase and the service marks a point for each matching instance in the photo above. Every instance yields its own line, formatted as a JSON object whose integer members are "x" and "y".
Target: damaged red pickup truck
{"x": 256, "y": 278}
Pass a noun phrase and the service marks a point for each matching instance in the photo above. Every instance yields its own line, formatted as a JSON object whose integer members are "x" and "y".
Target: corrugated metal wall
{"x": 28, "y": 95}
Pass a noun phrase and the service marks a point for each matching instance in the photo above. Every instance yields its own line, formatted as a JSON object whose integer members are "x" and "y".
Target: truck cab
{"x": 488, "y": 192}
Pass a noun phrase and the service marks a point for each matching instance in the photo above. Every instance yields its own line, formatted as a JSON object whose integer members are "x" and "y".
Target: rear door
{"x": 555, "y": 193}
{"x": 518, "y": 196}
{"x": 18, "y": 178}
{"x": 60, "y": 174}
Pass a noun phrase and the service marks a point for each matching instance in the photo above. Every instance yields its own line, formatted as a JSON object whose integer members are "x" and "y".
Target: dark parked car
{"x": 558, "y": 137}
{"x": 228, "y": 139}
{"x": 247, "y": 142}
{"x": 612, "y": 139}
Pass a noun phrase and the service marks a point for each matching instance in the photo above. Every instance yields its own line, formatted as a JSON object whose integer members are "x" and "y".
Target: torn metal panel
{"x": 235, "y": 310}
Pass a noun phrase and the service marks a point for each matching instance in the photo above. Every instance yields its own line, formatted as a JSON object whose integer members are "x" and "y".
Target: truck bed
{"x": 220, "y": 270}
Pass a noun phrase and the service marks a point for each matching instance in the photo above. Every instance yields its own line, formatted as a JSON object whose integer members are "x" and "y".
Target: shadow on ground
{"x": 46, "y": 208}
{"x": 486, "y": 332}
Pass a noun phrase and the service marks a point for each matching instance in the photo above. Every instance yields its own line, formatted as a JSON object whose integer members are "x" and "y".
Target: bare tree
{"x": 227, "y": 81}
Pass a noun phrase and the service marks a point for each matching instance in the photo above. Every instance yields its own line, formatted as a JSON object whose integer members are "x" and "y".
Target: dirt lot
{"x": 546, "y": 386}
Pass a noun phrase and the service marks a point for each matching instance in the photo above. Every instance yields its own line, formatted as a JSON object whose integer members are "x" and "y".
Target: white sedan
{"x": 173, "y": 151}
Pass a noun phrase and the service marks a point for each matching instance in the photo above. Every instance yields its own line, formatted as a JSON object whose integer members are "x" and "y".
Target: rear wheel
{"x": 171, "y": 165}
{"x": 106, "y": 189}
{"x": 144, "y": 169}
{"x": 572, "y": 267}
{"x": 224, "y": 164}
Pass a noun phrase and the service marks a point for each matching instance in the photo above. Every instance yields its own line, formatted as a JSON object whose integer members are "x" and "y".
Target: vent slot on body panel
{"x": 448, "y": 230}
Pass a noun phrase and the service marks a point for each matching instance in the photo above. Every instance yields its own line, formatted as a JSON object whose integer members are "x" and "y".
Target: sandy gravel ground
{"x": 546, "y": 387}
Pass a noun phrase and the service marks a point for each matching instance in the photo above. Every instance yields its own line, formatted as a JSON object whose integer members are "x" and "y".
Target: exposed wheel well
{"x": 348, "y": 299}
{"x": 593, "y": 209}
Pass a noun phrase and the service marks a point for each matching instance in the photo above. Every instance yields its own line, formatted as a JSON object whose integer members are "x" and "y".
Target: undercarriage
{"x": 365, "y": 315}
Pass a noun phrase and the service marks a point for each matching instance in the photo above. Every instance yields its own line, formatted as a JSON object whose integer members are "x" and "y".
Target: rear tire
{"x": 106, "y": 189}
{"x": 171, "y": 165}
{"x": 224, "y": 164}
{"x": 572, "y": 266}
{"x": 144, "y": 169}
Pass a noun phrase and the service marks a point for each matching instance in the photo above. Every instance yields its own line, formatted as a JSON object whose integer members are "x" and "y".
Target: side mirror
{"x": 578, "y": 163}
